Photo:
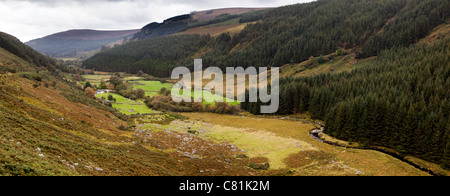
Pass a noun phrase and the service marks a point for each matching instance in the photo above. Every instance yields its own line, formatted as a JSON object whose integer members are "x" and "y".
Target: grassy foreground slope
{"x": 49, "y": 127}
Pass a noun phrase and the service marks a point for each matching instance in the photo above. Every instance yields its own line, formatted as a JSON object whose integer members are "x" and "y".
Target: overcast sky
{"x": 31, "y": 19}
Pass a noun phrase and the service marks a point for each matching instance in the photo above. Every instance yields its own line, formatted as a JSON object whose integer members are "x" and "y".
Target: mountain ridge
{"x": 89, "y": 34}
{"x": 71, "y": 43}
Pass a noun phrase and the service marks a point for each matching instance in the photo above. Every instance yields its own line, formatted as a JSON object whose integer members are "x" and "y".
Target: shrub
{"x": 123, "y": 128}
{"x": 120, "y": 87}
{"x": 140, "y": 93}
{"x": 12, "y": 70}
{"x": 88, "y": 84}
{"x": 110, "y": 98}
{"x": 115, "y": 80}
{"x": 162, "y": 91}
{"x": 340, "y": 52}
{"x": 27, "y": 75}
{"x": 37, "y": 78}
{"x": 198, "y": 107}
{"x": 209, "y": 108}
{"x": 193, "y": 132}
{"x": 89, "y": 92}
{"x": 220, "y": 108}
{"x": 258, "y": 166}
{"x": 320, "y": 59}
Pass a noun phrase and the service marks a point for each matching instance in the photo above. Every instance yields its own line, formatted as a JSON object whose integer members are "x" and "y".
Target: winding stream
{"x": 315, "y": 134}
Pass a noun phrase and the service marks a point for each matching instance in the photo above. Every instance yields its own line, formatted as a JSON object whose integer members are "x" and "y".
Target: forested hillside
{"x": 399, "y": 100}
{"x": 168, "y": 27}
{"x": 293, "y": 34}
{"x": 19, "y": 49}
{"x": 157, "y": 56}
{"x": 179, "y": 50}
{"x": 71, "y": 43}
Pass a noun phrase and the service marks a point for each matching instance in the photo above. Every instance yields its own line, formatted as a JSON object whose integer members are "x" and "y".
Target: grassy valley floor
{"x": 284, "y": 144}
{"x": 251, "y": 145}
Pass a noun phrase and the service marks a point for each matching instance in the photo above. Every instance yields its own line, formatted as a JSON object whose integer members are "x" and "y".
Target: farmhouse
{"x": 102, "y": 91}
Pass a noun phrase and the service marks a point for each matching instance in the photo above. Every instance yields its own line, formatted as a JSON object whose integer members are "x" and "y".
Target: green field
{"x": 151, "y": 94}
{"x": 119, "y": 98}
{"x": 95, "y": 80}
{"x": 124, "y": 105}
{"x": 208, "y": 94}
{"x": 133, "y": 78}
{"x": 138, "y": 109}
{"x": 151, "y": 86}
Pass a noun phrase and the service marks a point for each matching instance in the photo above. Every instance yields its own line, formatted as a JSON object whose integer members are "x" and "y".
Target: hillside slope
{"x": 49, "y": 127}
{"x": 211, "y": 14}
{"x": 360, "y": 68}
{"x": 397, "y": 100}
{"x": 182, "y": 23}
{"x": 293, "y": 34}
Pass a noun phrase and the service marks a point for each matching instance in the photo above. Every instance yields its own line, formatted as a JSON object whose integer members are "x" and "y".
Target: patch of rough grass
{"x": 282, "y": 128}
{"x": 305, "y": 158}
{"x": 137, "y": 108}
{"x": 38, "y": 104}
{"x": 260, "y": 144}
{"x": 343, "y": 162}
{"x": 259, "y": 160}
{"x": 151, "y": 86}
{"x": 97, "y": 77}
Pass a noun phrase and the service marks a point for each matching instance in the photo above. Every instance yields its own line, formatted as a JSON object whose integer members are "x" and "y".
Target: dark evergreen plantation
{"x": 289, "y": 34}
{"x": 292, "y": 34}
{"x": 157, "y": 55}
{"x": 402, "y": 101}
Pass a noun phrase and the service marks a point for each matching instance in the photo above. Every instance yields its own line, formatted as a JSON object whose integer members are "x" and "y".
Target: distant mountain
{"x": 153, "y": 51}
{"x": 71, "y": 43}
{"x": 84, "y": 43}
